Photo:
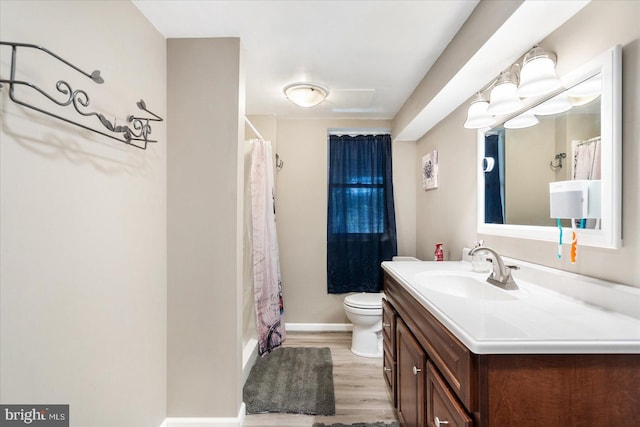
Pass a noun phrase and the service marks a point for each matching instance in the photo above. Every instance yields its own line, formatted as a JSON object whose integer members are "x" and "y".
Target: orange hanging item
{"x": 574, "y": 247}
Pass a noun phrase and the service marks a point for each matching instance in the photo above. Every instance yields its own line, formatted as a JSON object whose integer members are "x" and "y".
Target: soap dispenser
{"x": 439, "y": 252}
{"x": 479, "y": 261}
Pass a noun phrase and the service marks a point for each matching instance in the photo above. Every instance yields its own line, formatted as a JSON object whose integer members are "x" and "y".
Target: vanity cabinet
{"x": 440, "y": 382}
{"x": 389, "y": 317}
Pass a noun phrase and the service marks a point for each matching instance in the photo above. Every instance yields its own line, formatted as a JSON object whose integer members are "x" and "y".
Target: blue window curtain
{"x": 494, "y": 180}
{"x": 361, "y": 223}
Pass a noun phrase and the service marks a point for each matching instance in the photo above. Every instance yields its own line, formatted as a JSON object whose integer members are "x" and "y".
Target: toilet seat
{"x": 370, "y": 301}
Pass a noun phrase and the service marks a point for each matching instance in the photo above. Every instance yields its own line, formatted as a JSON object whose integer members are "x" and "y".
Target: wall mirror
{"x": 516, "y": 164}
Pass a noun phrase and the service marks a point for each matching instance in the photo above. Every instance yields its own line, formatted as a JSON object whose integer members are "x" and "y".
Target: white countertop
{"x": 539, "y": 320}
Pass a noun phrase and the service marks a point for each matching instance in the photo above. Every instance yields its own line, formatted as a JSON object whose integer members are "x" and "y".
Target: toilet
{"x": 364, "y": 310}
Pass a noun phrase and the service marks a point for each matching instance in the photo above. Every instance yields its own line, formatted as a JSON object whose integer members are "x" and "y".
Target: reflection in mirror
{"x": 559, "y": 147}
{"x": 571, "y": 134}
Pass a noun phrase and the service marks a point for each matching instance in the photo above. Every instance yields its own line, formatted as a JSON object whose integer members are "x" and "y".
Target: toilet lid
{"x": 365, "y": 300}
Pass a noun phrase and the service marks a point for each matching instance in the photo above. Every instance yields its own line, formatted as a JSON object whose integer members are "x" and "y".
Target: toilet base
{"x": 366, "y": 343}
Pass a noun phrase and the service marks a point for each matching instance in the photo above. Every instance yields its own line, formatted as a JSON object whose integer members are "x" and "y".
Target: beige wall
{"x": 404, "y": 189}
{"x": 301, "y": 203}
{"x": 447, "y": 214}
{"x": 596, "y": 28}
{"x": 527, "y": 173}
{"x": 205, "y": 226}
{"x": 83, "y": 222}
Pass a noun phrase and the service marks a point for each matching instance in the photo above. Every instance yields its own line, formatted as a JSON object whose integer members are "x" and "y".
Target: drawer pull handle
{"x": 386, "y": 325}
{"x": 387, "y": 369}
{"x": 439, "y": 422}
{"x": 416, "y": 370}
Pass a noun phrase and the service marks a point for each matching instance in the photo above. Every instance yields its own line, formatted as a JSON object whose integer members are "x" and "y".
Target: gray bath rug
{"x": 379, "y": 424}
{"x": 296, "y": 380}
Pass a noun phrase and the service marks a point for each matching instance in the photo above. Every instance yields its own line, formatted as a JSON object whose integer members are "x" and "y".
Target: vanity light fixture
{"x": 503, "y": 98}
{"x": 306, "y": 94}
{"x": 536, "y": 77}
{"x": 477, "y": 115}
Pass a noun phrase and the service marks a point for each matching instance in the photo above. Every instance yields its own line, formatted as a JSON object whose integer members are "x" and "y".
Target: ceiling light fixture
{"x": 536, "y": 77}
{"x": 306, "y": 94}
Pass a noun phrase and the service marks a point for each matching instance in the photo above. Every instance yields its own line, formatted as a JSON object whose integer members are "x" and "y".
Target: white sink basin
{"x": 461, "y": 285}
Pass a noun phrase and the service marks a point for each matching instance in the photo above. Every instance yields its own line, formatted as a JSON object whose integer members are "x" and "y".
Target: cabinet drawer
{"x": 389, "y": 370}
{"x": 389, "y": 317}
{"x": 450, "y": 356}
{"x": 442, "y": 407}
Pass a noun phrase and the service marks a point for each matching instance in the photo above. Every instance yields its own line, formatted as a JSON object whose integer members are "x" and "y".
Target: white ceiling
{"x": 371, "y": 54}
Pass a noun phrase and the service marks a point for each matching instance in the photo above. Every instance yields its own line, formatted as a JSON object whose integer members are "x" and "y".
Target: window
{"x": 358, "y": 208}
{"x": 361, "y": 230}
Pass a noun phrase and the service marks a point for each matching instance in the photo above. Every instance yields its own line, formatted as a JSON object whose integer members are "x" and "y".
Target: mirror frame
{"x": 610, "y": 234}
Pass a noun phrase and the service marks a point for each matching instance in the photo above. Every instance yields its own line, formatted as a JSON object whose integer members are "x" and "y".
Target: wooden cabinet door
{"x": 411, "y": 365}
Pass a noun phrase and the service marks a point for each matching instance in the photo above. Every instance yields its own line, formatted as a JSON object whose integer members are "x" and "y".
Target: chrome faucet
{"x": 501, "y": 274}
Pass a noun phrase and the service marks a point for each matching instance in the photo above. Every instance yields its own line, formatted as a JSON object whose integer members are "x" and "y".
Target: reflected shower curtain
{"x": 266, "y": 262}
{"x": 587, "y": 165}
{"x": 586, "y": 159}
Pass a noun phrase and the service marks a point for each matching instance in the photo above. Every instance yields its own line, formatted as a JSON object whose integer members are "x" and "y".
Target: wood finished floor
{"x": 360, "y": 390}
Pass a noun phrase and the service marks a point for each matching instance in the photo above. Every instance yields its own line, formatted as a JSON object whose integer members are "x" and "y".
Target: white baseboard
{"x": 249, "y": 356}
{"x": 318, "y": 327}
{"x": 207, "y": 421}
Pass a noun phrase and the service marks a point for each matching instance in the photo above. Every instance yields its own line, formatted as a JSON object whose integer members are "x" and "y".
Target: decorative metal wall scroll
{"x": 136, "y": 133}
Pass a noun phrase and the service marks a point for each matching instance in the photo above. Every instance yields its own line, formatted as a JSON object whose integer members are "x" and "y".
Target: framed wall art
{"x": 430, "y": 170}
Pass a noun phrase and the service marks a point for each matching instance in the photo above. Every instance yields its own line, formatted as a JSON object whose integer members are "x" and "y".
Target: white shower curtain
{"x": 266, "y": 262}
